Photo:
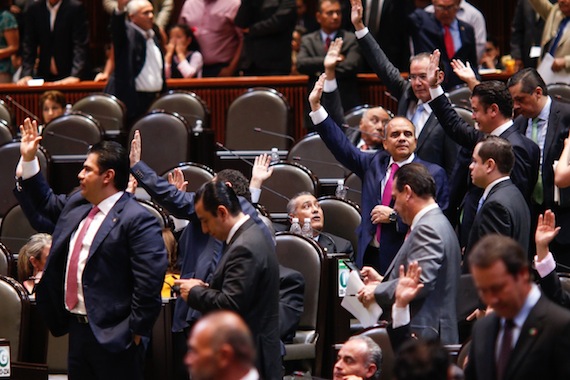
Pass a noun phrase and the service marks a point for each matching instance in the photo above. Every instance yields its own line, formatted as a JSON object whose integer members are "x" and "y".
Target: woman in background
{"x": 32, "y": 259}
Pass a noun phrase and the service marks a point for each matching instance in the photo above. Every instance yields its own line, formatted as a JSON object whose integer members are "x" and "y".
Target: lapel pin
{"x": 533, "y": 331}
{"x": 114, "y": 220}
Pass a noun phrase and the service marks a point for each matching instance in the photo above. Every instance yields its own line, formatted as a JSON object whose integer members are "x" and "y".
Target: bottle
{"x": 307, "y": 230}
{"x": 198, "y": 127}
{"x": 295, "y": 226}
{"x": 68, "y": 109}
{"x": 340, "y": 191}
{"x": 275, "y": 155}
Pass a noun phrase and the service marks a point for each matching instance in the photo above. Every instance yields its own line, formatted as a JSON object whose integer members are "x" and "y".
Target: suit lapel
{"x": 426, "y": 131}
{"x": 551, "y": 132}
{"x": 72, "y": 220}
{"x": 108, "y": 224}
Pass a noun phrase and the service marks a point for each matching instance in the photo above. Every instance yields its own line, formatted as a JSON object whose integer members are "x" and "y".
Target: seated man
{"x": 360, "y": 357}
{"x": 305, "y": 205}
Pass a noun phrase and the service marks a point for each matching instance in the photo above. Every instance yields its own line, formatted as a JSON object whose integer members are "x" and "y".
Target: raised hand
{"x": 132, "y": 184}
{"x": 260, "y": 171}
{"x": 356, "y": 14}
{"x": 30, "y": 139}
{"x": 465, "y": 72}
{"x": 409, "y": 284}
{"x": 136, "y": 149}
{"x": 546, "y": 231}
{"x": 434, "y": 75}
{"x": 176, "y": 178}
{"x": 333, "y": 57}
{"x": 316, "y": 93}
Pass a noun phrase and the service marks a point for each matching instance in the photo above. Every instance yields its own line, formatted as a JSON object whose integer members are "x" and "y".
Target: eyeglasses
{"x": 332, "y": 13}
{"x": 445, "y": 8}
{"x": 421, "y": 77}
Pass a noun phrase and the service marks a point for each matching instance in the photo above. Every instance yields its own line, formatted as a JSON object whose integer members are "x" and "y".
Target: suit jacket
{"x": 433, "y": 144}
{"x": 310, "y": 62}
{"x": 267, "y": 45}
{"x": 526, "y": 32}
{"x": 427, "y": 35}
{"x": 552, "y": 16}
{"x": 558, "y": 124}
{"x": 130, "y": 56}
{"x": 247, "y": 282}
{"x": 541, "y": 352}
{"x": 504, "y": 212}
{"x": 291, "y": 302}
{"x": 433, "y": 243}
{"x": 371, "y": 169}
{"x": 67, "y": 43}
{"x": 198, "y": 253}
{"x": 121, "y": 299}
{"x": 335, "y": 244}
{"x": 552, "y": 288}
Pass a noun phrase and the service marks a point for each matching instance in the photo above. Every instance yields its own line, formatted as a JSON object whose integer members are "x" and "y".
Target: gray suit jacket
{"x": 434, "y": 245}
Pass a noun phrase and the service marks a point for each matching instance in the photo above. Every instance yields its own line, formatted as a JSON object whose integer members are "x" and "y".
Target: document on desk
{"x": 366, "y": 316}
{"x": 549, "y": 76}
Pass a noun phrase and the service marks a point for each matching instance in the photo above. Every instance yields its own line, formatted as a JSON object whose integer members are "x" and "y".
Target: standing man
{"x": 433, "y": 244}
{"x": 526, "y": 336}
{"x": 138, "y": 77}
{"x": 246, "y": 279}
{"x": 502, "y": 208}
{"x": 106, "y": 266}
{"x": 57, "y": 34}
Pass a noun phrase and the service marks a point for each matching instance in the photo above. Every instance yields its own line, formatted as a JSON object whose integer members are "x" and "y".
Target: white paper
{"x": 366, "y": 316}
{"x": 549, "y": 76}
{"x": 535, "y": 52}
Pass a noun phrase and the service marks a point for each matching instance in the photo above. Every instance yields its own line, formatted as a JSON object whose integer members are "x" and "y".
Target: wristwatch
{"x": 393, "y": 216}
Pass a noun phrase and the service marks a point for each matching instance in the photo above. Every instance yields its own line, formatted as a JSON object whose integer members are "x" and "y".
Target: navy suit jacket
{"x": 371, "y": 169}
{"x": 124, "y": 271}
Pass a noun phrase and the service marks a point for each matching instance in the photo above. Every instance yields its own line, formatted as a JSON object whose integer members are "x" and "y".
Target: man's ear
{"x": 109, "y": 176}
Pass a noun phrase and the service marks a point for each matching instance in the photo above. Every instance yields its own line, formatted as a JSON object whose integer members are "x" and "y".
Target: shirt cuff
{"x": 330, "y": 85}
{"x": 400, "y": 316}
{"x": 546, "y": 266}
{"x": 29, "y": 168}
{"x": 361, "y": 33}
{"x": 319, "y": 115}
{"x": 435, "y": 92}
{"x": 255, "y": 194}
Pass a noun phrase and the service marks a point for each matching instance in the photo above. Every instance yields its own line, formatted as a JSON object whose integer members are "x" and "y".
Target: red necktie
{"x": 448, "y": 40}
{"x": 505, "y": 348}
{"x": 327, "y": 43}
{"x": 71, "y": 292}
{"x": 387, "y": 196}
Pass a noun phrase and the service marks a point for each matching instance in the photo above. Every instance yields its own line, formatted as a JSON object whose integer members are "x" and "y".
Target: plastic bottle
{"x": 275, "y": 155}
{"x": 295, "y": 226}
{"x": 198, "y": 127}
{"x": 307, "y": 230}
{"x": 340, "y": 191}
{"x": 68, "y": 109}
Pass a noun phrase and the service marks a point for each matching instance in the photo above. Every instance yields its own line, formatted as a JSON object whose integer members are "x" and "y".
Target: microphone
{"x": 299, "y": 158}
{"x": 22, "y": 108}
{"x": 274, "y": 134}
{"x": 220, "y": 145}
{"x": 68, "y": 138}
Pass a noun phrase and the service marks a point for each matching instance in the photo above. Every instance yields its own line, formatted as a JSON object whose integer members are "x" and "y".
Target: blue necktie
{"x": 480, "y": 204}
{"x": 561, "y": 28}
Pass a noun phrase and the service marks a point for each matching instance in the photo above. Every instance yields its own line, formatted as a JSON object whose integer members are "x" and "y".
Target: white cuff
{"x": 400, "y": 316}
{"x": 330, "y": 85}
{"x": 361, "y": 33}
{"x": 546, "y": 266}
{"x": 319, "y": 115}
{"x": 29, "y": 168}
{"x": 435, "y": 92}
{"x": 255, "y": 194}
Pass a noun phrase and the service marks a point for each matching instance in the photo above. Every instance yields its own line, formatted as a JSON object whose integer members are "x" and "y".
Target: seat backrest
{"x": 196, "y": 174}
{"x": 163, "y": 219}
{"x": 287, "y": 180}
{"x": 15, "y": 229}
{"x": 185, "y": 103}
{"x": 107, "y": 109}
{"x": 5, "y": 133}
{"x": 467, "y": 297}
{"x": 354, "y": 184}
{"x": 459, "y": 96}
{"x": 262, "y": 108}
{"x": 7, "y": 114}
{"x": 165, "y": 140}
{"x": 352, "y": 116}
{"x": 14, "y": 315}
{"x": 9, "y": 157}
{"x": 559, "y": 91}
{"x": 342, "y": 217}
{"x": 382, "y": 339}
{"x": 71, "y": 135}
{"x": 312, "y": 153}
{"x": 564, "y": 281}
{"x": 466, "y": 114}
{"x": 6, "y": 261}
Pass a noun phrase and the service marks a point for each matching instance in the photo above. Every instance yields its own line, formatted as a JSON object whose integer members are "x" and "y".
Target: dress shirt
{"x": 421, "y": 213}
{"x": 150, "y": 77}
{"x": 214, "y": 26}
{"x": 319, "y": 115}
{"x": 324, "y": 36}
{"x": 236, "y": 227}
{"x": 519, "y": 320}
{"x": 426, "y": 113}
{"x": 53, "y": 9}
{"x": 502, "y": 128}
{"x": 546, "y": 266}
{"x": 251, "y": 375}
{"x": 493, "y": 184}
{"x": 542, "y": 127}
{"x": 389, "y": 170}
{"x": 400, "y": 315}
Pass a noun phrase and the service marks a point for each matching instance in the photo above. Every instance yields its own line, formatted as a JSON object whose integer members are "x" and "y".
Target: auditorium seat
{"x": 163, "y": 219}
{"x": 196, "y": 174}
{"x": 460, "y": 96}
{"x": 354, "y": 184}
{"x": 382, "y": 339}
{"x": 7, "y": 114}
{"x": 342, "y": 217}
{"x": 5, "y": 133}
{"x": 108, "y": 110}
{"x": 559, "y": 91}
{"x": 465, "y": 113}
{"x": 6, "y": 261}
{"x": 14, "y": 316}
{"x": 15, "y": 229}
{"x": 352, "y": 117}
{"x": 185, "y": 103}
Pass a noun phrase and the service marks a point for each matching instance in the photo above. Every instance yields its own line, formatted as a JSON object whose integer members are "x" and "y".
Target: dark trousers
{"x": 88, "y": 360}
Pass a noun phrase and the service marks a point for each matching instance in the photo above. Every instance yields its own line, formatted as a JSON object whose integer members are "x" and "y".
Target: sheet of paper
{"x": 549, "y": 76}
{"x": 366, "y": 316}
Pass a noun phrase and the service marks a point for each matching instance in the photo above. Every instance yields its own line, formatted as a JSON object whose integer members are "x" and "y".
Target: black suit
{"x": 335, "y": 244}
{"x": 541, "y": 351}
{"x": 67, "y": 43}
{"x": 246, "y": 281}
{"x": 291, "y": 300}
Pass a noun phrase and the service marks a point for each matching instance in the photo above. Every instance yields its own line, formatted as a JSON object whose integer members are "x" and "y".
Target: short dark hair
{"x": 111, "y": 155}
{"x": 529, "y": 79}
{"x": 53, "y": 95}
{"x": 240, "y": 184}
{"x": 500, "y": 150}
{"x": 493, "y": 248}
{"x": 194, "y": 46}
{"x": 217, "y": 193}
{"x": 418, "y": 178}
{"x": 319, "y": 9}
{"x": 495, "y": 92}
{"x": 418, "y": 359}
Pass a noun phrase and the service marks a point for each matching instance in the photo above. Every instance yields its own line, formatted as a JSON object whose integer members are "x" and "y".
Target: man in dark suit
{"x": 305, "y": 205}
{"x": 106, "y": 266}
{"x": 413, "y": 95}
{"x": 138, "y": 77}
{"x": 502, "y": 208}
{"x": 375, "y": 171}
{"x": 526, "y": 336}
{"x": 62, "y": 42}
{"x": 492, "y": 111}
{"x": 246, "y": 279}
{"x": 546, "y": 121}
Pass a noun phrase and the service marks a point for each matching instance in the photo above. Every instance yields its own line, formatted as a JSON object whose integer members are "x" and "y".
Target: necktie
{"x": 538, "y": 192}
{"x": 387, "y": 195}
{"x": 448, "y": 40}
{"x": 480, "y": 204}
{"x": 417, "y": 115}
{"x": 505, "y": 348}
{"x": 327, "y": 43}
{"x": 534, "y": 135}
{"x": 71, "y": 292}
{"x": 561, "y": 28}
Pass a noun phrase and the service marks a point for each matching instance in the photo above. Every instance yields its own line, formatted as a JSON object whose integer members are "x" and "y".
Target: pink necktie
{"x": 387, "y": 195}
{"x": 448, "y": 40}
{"x": 71, "y": 293}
